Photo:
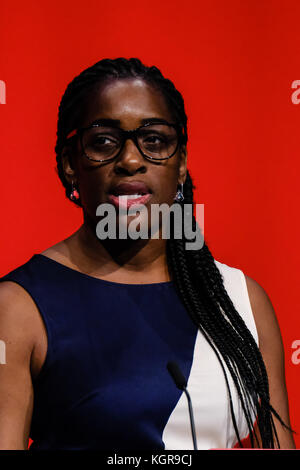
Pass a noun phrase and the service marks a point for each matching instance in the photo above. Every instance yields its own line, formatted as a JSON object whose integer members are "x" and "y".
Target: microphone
{"x": 181, "y": 383}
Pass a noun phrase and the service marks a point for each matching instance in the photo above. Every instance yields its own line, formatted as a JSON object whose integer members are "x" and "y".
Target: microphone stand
{"x": 191, "y": 418}
{"x": 181, "y": 383}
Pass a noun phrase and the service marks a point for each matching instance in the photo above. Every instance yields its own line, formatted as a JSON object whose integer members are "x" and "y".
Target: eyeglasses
{"x": 155, "y": 141}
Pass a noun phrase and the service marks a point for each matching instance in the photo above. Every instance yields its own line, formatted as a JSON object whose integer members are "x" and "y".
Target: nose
{"x": 130, "y": 159}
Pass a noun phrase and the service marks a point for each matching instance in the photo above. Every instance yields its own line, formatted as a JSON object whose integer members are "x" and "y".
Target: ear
{"x": 67, "y": 158}
{"x": 182, "y": 164}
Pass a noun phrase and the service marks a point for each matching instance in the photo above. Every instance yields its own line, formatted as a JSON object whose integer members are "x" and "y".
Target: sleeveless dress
{"x": 104, "y": 384}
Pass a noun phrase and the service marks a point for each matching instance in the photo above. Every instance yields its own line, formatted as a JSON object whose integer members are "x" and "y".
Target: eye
{"x": 153, "y": 139}
{"x": 101, "y": 140}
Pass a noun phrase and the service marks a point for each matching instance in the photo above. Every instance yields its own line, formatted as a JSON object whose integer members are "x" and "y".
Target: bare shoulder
{"x": 264, "y": 313}
{"x": 16, "y": 391}
{"x": 17, "y": 312}
{"x": 272, "y": 351}
{"x": 21, "y": 326}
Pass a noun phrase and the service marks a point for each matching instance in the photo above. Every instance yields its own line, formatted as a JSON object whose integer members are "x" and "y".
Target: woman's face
{"x": 129, "y": 101}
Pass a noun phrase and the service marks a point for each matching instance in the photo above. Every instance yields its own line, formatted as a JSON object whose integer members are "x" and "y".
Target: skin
{"x": 129, "y": 101}
{"x": 271, "y": 348}
{"x": 145, "y": 260}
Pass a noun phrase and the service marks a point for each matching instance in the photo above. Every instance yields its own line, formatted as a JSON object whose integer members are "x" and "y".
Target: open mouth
{"x": 130, "y": 195}
{"x": 127, "y": 200}
{"x": 127, "y": 193}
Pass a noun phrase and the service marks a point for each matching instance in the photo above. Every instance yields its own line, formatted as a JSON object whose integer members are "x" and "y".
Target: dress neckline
{"x": 104, "y": 281}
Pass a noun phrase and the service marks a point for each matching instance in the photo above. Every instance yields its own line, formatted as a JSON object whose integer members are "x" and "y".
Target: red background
{"x": 234, "y": 61}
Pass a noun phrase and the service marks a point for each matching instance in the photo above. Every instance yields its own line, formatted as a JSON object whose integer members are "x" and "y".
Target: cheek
{"x": 168, "y": 193}
{"x": 166, "y": 186}
{"x": 92, "y": 189}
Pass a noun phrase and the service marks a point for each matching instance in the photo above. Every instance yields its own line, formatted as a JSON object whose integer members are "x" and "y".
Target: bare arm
{"x": 271, "y": 348}
{"x": 16, "y": 391}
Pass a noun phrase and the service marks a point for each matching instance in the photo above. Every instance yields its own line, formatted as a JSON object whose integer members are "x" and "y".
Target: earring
{"x": 74, "y": 193}
{"x": 179, "y": 195}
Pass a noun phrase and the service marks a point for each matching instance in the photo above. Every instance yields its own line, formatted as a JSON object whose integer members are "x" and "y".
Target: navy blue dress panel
{"x": 104, "y": 383}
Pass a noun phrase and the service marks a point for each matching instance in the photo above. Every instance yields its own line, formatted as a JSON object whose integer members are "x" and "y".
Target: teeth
{"x": 131, "y": 196}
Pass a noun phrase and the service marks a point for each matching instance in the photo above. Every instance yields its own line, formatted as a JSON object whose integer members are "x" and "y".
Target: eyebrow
{"x": 118, "y": 122}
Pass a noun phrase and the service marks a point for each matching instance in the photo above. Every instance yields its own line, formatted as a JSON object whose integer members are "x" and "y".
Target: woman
{"x": 106, "y": 315}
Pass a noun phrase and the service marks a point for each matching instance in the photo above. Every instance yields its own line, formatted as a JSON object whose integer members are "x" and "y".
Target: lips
{"x": 134, "y": 187}
{"x": 137, "y": 191}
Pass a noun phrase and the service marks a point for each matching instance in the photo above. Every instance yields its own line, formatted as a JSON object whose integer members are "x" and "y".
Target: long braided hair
{"x": 196, "y": 277}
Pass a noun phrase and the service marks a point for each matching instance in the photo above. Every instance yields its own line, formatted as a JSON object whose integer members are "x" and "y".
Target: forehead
{"x": 128, "y": 100}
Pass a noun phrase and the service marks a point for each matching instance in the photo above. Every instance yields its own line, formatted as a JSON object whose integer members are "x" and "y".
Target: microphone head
{"x": 178, "y": 377}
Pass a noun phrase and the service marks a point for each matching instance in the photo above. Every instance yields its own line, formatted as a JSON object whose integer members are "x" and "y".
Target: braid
{"x": 196, "y": 277}
{"x": 201, "y": 287}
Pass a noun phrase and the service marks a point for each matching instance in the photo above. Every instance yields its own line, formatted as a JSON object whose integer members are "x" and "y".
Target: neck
{"x": 121, "y": 259}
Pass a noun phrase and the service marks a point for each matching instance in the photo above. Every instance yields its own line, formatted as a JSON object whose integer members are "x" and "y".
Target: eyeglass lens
{"x": 157, "y": 141}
